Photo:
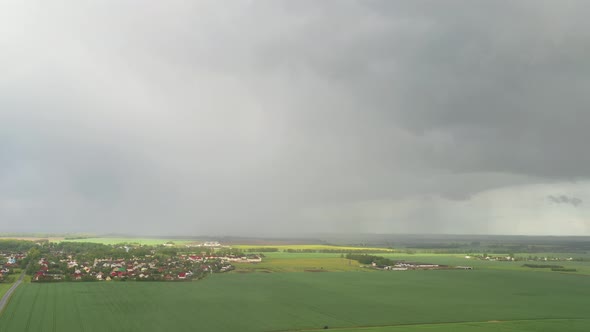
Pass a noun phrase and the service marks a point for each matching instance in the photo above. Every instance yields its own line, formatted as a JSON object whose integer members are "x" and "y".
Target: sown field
{"x": 380, "y": 301}
{"x": 535, "y": 325}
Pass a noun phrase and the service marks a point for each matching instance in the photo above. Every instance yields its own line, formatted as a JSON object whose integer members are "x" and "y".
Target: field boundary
{"x": 493, "y": 321}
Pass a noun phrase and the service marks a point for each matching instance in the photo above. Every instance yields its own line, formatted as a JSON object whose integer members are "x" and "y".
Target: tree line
{"x": 369, "y": 259}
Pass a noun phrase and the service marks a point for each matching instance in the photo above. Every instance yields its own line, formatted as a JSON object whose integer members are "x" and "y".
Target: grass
{"x": 296, "y": 301}
{"x": 4, "y": 287}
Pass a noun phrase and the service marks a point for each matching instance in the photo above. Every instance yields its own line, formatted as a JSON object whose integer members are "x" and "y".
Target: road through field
{"x": 6, "y": 297}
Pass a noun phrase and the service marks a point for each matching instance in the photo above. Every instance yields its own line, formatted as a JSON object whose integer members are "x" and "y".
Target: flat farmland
{"x": 284, "y": 262}
{"x": 478, "y": 300}
{"x": 299, "y": 262}
{"x": 118, "y": 240}
{"x": 282, "y": 247}
{"x": 535, "y": 325}
{"x": 583, "y": 267}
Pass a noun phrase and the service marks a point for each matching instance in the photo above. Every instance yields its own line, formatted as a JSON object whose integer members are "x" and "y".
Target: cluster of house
{"x": 10, "y": 261}
{"x": 224, "y": 258}
{"x": 242, "y": 259}
{"x": 181, "y": 267}
{"x": 512, "y": 258}
{"x": 209, "y": 244}
{"x": 12, "y": 258}
{"x": 404, "y": 266}
{"x": 493, "y": 258}
{"x": 4, "y": 271}
{"x": 117, "y": 269}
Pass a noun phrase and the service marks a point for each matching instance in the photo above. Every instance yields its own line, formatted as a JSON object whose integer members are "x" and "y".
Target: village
{"x": 98, "y": 262}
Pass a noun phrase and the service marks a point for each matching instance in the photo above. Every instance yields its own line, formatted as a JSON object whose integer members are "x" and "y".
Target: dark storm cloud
{"x": 268, "y": 116}
{"x": 492, "y": 87}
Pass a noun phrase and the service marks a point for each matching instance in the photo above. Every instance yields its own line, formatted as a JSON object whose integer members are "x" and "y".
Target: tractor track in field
{"x": 352, "y": 328}
{"x": 30, "y": 317}
{"x": 8, "y": 294}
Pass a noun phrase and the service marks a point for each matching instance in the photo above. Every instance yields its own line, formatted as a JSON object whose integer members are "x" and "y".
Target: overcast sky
{"x": 290, "y": 117}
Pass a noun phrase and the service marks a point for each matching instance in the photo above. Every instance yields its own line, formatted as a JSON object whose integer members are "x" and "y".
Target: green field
{"x": 4, "y": 287}
{"x": 381, "y": 301}
{"x": 535, "y": 325}
{"x": 459, "y": 259}
{"x": 299, "y": 262}
{"x": 307, "y": 291}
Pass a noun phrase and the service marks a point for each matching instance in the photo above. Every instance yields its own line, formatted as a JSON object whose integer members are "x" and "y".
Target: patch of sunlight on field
{"x": 297, "y": 262}
{"x": 309, "y": 247}
{"x": 117, "y": 240}
{"x": 300, "y": 263}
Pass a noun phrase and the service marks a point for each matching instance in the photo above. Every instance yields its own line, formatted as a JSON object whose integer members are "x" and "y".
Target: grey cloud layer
{"x": 563, "y": 199}
{"x": 211, "y": 117}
